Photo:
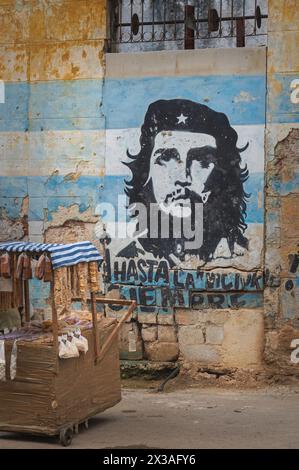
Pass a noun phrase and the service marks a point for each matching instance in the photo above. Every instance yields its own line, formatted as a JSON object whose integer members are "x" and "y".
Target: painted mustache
{"x": 186, "y": 194}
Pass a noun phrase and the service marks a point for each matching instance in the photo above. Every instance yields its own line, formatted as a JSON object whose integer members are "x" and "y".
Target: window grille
{"x": 182, "y": 24}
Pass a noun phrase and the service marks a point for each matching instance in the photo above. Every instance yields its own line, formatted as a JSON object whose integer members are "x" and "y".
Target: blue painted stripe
{"x": 77, "y": 104}
{"x": 165, "y": 297}
{"x": 285, "y": 188}
{"x": 59, "y": 186}
{"x": 14, "y": 112}
{"x": 11, "y": 206}
{"x": 53, "y": 105}
{"x": 86, "y": 191}
{"x": 254, "y": 187}
{"x": 242, "y": 98}
{"x": 41, "y": 208}
{"x": 13, "y": 186}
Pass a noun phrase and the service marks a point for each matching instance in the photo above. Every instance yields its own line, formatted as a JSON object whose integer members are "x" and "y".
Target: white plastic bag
{"x": 13, "y": 361}
{"x": 2, "y": 361}
{"x": 62, "y": 349}
{"x": 67, "y": 349}
{"x": 80, "y": 341}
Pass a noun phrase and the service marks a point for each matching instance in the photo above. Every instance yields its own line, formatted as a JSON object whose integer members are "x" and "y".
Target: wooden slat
{"x": 27, "y": 301}
{"x": 110, "y": 338}
{"x": 104, "y": 300}
{"x": 54, "y": 323}
{"x": 95, "y": 326}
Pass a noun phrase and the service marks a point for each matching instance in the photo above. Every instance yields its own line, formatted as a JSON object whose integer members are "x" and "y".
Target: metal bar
{"x": 220, "y": 19}
{"x": 232, "y": 18}
{"x": 240, "y": 32}
{"x": 153, "y": 22}
{"x": 197, "y": 21}
{"x": 203, "y": 20}
{"x": 175, "y": 22}
{"x": 209, "y": 7}
{"x": 164, "y": 21}
{"x": 131, "y": 34}
{"x": 120, "y": 18}
{"x": 254, "y": 28}
{"x": 201, "y": 37}
{"x": 189, "y": 32}
{"x": 142, "y": 19}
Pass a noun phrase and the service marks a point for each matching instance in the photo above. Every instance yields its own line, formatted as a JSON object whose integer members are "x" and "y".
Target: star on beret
{"x": 181, "y": 119}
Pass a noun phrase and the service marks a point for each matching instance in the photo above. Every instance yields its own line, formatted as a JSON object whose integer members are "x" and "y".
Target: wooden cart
{"x": 53, "y": 396}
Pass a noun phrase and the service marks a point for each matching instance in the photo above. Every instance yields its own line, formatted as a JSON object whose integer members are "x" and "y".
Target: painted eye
{"x": 165, "y": 155}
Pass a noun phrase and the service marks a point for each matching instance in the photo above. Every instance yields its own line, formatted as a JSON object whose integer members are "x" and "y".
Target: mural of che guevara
{"x": 188, "y": 155}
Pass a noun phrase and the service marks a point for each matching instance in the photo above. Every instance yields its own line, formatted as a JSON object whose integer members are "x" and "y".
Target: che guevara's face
{"x": 181, "y": 163}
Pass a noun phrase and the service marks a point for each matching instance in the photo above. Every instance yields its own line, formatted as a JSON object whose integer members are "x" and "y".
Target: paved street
{"x": 190, "y": 418}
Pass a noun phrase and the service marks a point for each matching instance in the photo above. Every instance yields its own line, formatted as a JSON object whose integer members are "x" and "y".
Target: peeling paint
{"x": 244, "y": 97}
{"x": 64, "y": 214}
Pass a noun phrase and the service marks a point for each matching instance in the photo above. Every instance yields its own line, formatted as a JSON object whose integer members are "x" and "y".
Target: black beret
{"x": 186, "y": 115}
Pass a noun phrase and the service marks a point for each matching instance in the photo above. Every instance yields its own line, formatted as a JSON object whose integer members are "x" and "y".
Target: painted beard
{"x": 176, "y": 245}
{"x": 186, "y": 196}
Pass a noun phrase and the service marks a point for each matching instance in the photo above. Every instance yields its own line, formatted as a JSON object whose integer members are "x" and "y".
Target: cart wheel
{"x": 86, "y": 424}
{"x": 66, "y": 437}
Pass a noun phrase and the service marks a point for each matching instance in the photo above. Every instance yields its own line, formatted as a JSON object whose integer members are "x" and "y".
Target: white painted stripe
{"x": 43, "y": 153}
{"x": 119, "y": 141}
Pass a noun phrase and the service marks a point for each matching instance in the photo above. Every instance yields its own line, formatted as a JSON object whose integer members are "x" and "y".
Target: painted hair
{"x": 224, "y": 213}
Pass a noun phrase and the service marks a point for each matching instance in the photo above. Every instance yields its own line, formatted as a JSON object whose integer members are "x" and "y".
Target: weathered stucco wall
{"x": 52, "y": 127}
{"x": 282, "y": 198}
{"x": 70, "y": 115}
{"x": 52, "y": 137}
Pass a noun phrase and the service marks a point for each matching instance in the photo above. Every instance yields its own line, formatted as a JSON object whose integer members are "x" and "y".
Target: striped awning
{"x": 61, "y": 255}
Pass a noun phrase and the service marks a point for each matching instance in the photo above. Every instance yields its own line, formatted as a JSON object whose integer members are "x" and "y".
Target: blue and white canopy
{"x": 61, "y": 255}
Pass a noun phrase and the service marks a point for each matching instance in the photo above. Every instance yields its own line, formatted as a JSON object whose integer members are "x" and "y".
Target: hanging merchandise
{"x": 80, "y": 341}
{"x": 27, "y": 270}
{"x": 62, "y": 293}
{"x": 24, "y": 270}
{"x": 82, "y": 270}
{"x": 74, "y": 282}
{"x": 93, "y": 276}
{"x": 5, "y": 266}
{"x": 48, "y": 274}
{"x": 20, "y": 266}
{"x": 40, "y": 268}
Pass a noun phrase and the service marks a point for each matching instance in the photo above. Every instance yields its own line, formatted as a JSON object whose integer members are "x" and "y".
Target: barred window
{"x": 144, "y": 25}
